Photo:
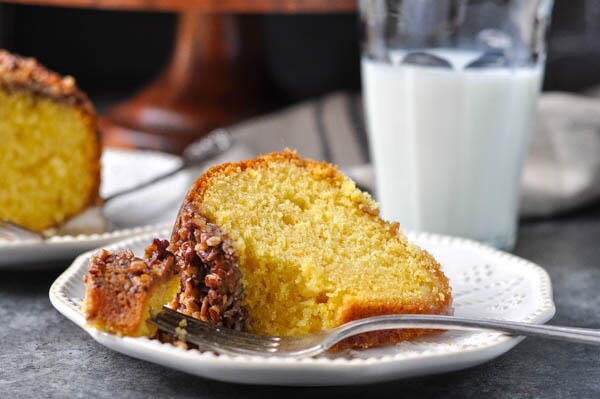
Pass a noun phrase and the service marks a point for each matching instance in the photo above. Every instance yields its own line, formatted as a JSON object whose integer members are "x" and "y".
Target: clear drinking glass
{"x": 450, "y": 90}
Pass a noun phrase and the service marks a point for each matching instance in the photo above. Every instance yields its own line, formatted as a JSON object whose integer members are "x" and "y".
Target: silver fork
{"x": 11, "y": 231}
{"x": 228, "y": 341}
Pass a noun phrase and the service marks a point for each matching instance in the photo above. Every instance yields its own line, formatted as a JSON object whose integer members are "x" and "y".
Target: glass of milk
{"x": 450, "y": 90}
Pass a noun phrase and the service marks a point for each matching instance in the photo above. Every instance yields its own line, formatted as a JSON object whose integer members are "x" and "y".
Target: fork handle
{"x": 202, "y": 150}
{"x": 144, "y": 184}
{"x": 569, "y": 334}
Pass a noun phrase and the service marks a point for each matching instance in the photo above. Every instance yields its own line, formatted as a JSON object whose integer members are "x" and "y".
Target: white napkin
{"x": 562, "y": 171}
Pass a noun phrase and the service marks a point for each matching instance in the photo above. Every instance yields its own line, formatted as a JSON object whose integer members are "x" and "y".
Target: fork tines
{"x": 204, "y": 334}
{"x": 11, "y": 231}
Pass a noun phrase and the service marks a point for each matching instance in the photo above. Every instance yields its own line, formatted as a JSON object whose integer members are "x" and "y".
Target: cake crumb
{"x": 180, "y": 333}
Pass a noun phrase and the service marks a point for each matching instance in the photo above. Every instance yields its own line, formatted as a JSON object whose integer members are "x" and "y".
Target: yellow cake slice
{"x": 277, "y": 245}
{"x": 49, "y": 145}
{"x": 123, "y": 291}
{"x": 281, "y": 245}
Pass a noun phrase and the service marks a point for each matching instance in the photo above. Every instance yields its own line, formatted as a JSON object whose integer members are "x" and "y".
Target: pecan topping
{"x": 210, "y": 275}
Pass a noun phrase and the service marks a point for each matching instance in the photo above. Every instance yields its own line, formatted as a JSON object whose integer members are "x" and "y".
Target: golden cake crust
{"x": 355, "y": 309}
{"x": 26, "y": 74}
{"x": 204, "y": 182}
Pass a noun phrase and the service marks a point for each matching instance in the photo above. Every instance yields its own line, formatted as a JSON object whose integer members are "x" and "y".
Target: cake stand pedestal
{"x": 212, "y": 79}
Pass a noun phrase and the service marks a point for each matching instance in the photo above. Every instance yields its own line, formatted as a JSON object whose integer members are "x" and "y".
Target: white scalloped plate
{"x": 148, "y": 210}
{"x": 486, "y": 283}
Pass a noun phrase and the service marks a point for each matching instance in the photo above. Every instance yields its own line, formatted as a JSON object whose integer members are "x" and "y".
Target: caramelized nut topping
{"x": 117, "y": 283}
{"x": 210, "y": 275}
{"x": 19, "y": 73}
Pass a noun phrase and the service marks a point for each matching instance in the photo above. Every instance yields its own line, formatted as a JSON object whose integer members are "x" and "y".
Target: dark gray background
{"x": 113, "y": 53}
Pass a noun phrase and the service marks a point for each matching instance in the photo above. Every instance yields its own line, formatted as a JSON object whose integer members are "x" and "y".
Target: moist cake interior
{"x": 49, "y": 156}
{"x": 312, "y": 252}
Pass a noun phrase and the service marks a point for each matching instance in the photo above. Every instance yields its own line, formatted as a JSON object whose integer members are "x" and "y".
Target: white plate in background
{"x": 148, "y": 210}
{"x": 486, "y": 283}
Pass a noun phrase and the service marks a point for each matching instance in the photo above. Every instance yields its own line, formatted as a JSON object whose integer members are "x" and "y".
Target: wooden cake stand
{"x": 210, "y": 80}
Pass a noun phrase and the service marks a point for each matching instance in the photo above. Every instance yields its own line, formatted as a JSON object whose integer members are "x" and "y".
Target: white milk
{"x": 449, "y": 145}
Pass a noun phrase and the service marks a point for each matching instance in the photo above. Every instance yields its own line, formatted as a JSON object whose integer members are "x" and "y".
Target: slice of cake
{"x": 50, "y": 151}
{"x": 122, "y": 291}
{"x": 275, "y": 246}
{"x": 285, "y": 246}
